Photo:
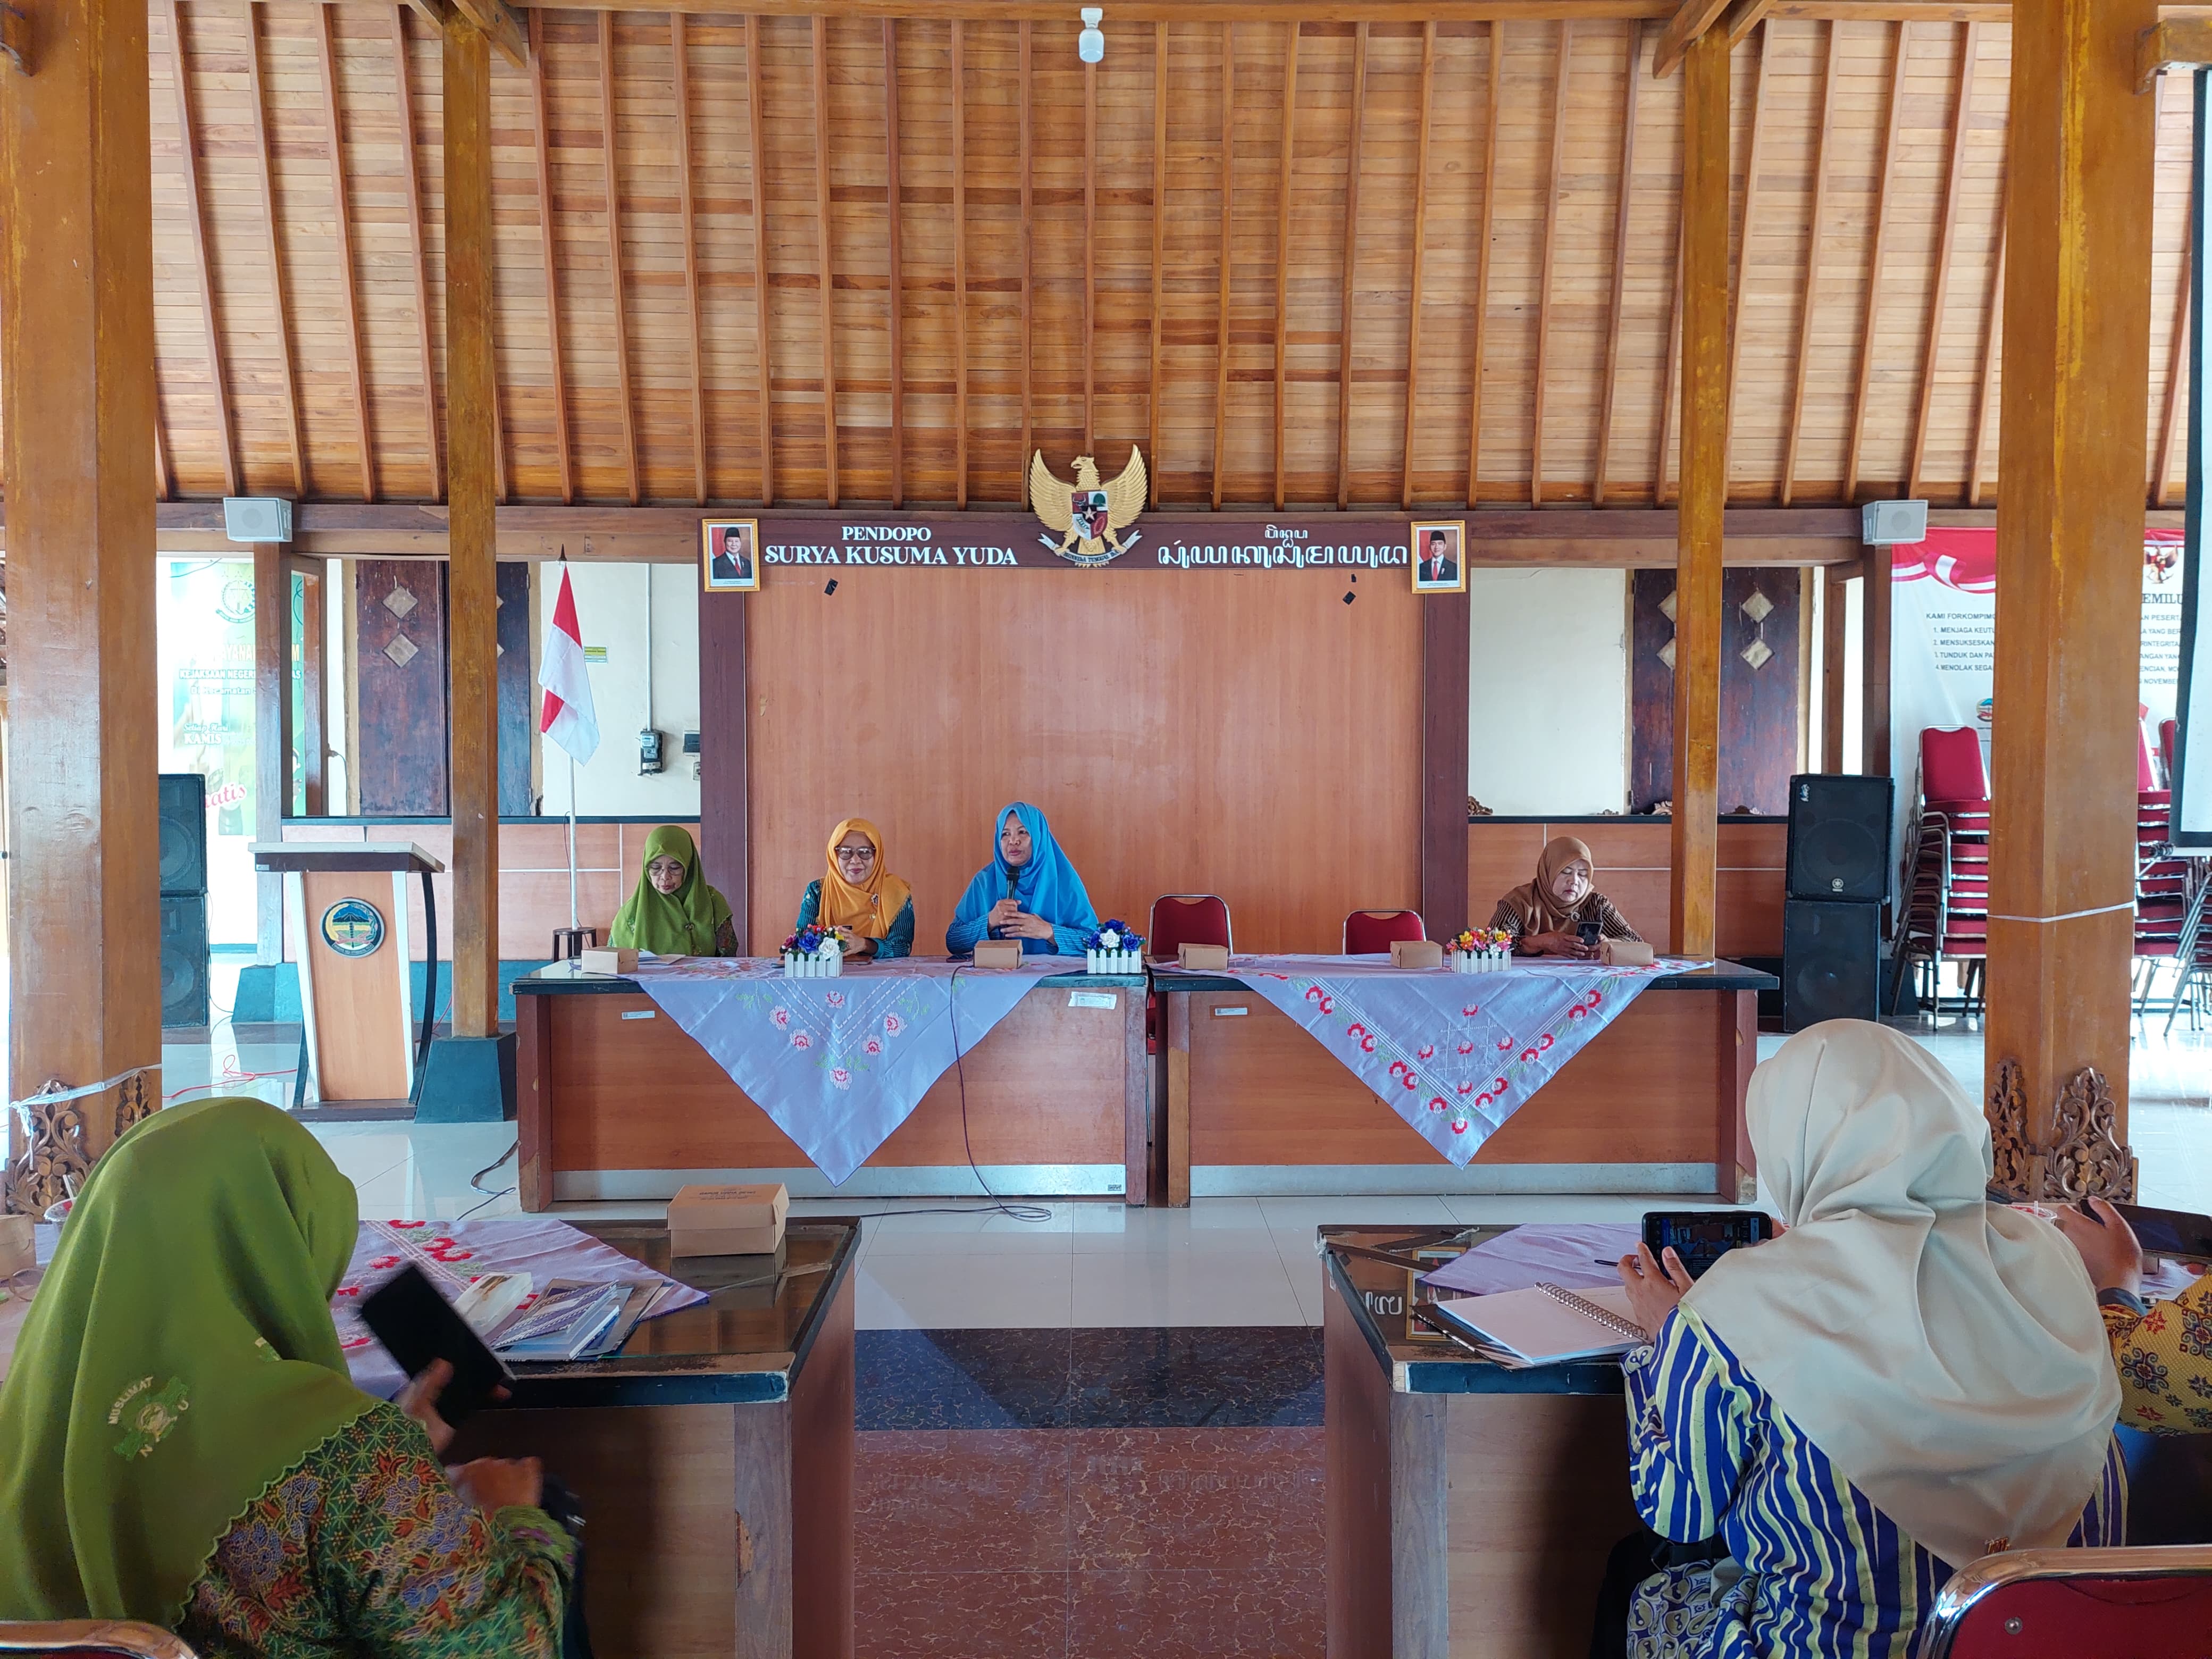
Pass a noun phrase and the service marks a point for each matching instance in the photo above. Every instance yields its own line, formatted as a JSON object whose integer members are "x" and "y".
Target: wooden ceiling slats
{"x": 1092, "y": 260}
{"x": 2177, "y": 114}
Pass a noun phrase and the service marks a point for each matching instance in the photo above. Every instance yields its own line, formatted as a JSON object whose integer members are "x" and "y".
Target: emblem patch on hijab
{"x": 151, "y": 1418}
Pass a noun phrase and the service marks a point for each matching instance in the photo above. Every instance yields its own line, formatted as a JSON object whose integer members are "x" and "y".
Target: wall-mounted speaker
{"x": 1839, "y": 836}
{"x": 1831, "y": 961}
{"x": 184, "y": 959}
{"x": 184, "y": 833}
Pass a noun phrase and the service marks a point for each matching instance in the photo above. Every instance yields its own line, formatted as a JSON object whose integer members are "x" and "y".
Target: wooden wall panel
{"x": 749, "y": 211}
{"x": 402, "y": 676}
{"x": 1759, "y": 698}
{"x": 1171, "y": 729}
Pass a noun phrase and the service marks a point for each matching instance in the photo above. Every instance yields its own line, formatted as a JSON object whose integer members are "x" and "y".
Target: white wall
{"x": 1548, "y": 689}
{"x": 648, "y": 618}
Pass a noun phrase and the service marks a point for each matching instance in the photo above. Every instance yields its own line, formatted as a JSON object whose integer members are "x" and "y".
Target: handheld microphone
{"x": 1013, "y": 880}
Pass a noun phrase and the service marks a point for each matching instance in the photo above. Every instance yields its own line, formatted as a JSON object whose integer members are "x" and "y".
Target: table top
{"x": 1419, "y": 1361}
{"x": 744, "y": 1344}
{"x": 1713, "y": 977}
{"x": 570, "y": 979}
{"x": 279, "y": 857}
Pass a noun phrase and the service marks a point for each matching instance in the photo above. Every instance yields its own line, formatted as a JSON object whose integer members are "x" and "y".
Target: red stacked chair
{"x": 1371, "y": 932}
{"x": 1953, "y": 836}
{"x": 1181, "y": 919}
{"x": 2140, "y": 1604}
{"x": 2163, "y": 901}
{"x": 2169, "y": 734}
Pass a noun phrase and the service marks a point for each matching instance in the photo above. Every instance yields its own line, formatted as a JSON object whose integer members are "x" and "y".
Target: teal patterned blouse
{"x": 364, "y": 1548}
{"x": 898, "y": 942}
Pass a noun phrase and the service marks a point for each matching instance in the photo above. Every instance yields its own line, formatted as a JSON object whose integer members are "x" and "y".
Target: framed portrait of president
{"x": 1440, "y": 556}
{"x": 729, "y": 556}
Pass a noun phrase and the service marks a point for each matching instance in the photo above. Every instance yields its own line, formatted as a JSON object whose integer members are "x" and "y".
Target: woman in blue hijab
{"x": 1028, "y": 892}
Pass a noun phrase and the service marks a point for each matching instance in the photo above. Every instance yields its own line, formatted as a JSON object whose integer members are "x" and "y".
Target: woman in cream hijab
{"x": 1908, "y": 1378}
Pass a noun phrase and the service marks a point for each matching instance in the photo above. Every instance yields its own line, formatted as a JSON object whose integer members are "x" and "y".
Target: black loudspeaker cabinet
{"x": 184, "y": 959}
{"x": 184, "y": 833}
{"x": 1830, "y": 961}
{"x": 1839, "y": 836}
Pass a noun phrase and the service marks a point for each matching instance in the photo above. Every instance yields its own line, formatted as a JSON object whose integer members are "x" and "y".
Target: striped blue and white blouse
{"x": 1826, "y": 1575}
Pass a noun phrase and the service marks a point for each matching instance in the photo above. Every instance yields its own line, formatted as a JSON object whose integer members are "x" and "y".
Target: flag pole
{"x": 573, "y": 922}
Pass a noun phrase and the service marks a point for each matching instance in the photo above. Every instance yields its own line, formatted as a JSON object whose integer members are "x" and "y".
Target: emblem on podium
{"x": 353, "y": 927}
{"x": 1086, "y": 516}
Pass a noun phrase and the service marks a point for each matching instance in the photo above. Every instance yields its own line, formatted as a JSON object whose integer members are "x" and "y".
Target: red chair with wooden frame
{"x": 1373, "y": 932}
{"x": 1181, "y": 919}
{"x": 2060, "y": 1604}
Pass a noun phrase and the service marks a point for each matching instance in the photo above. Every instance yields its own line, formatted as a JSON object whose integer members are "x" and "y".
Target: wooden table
{"x": 1654, "y": 1104}
{"x": 1469, "y": 1509}
{"x": 712, "y": 1456}
{"x": 616, "y": 1102}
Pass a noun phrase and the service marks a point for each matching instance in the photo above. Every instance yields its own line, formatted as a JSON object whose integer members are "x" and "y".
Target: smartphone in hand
{"x": 416, "y": 1325}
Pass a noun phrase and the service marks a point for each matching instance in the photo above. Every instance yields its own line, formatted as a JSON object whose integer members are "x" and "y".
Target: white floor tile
{"x": 954, "y": 1293}
{"x": 1197, "y": 1286}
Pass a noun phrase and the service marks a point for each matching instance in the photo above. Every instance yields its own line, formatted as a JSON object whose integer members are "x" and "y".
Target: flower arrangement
{"x": 813, "y": 953}
{"x": 1479, "y": 951}
{"x": 1115, "y": 948}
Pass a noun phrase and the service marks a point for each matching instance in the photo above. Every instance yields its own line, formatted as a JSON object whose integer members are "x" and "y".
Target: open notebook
{"x": 1544, "y": 1325}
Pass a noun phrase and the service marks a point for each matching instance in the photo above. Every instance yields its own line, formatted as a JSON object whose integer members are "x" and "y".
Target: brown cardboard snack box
{"x": 1416, "y": 953}
{"x": 998, "y": 953}
{"x": 740, "y": 1220}
{"x": 1624, "y": 953}
{"x": 1212, "y": 958}
{"x": 18, "y": 1247}
{"x": 623, "y": 961}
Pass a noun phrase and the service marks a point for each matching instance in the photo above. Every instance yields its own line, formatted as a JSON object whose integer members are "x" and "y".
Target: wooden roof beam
{"x": 959, "y": 120}
{"x": 1620, "y": 207}
{"x": 1550, "y": 248}
{"x": 501, "y": 25}
{"x": 755, "y": 127}
{"x": 404, "y": 89}
{"x": 1943, "y": 248}
{"x": 1481, "y": 296}
{"x": 1414, "y": 275}
{"x": 1690, "y": 19}
{"x": 896, "y": 276}
{"x": 1889, "y": 148}
{"x": 1820, "y": 218}
{"x": 1159, "y": 247}
{"x": 678, "y": 56}
{"x": 267, "y": 193}
{"x": 1746, "y": 15}
{"x": 1090, "y": 241}
{"x": 560, "y": 385}
{"x": 342, "y": 214}
{"x": 1351, "y": 274}
{"x": 188, "y": 148}
{"x": 620, "y": 299}
{"x": 1214, "y": 13}
{"x": 1743, "y": 256}
{"x": 1993, "y": 354}
{"x": 1028, "y": 141}
{"x": 1227, "y": 194}
{"x": 2184, "y": 43}
{"x": 1283, "y": 235}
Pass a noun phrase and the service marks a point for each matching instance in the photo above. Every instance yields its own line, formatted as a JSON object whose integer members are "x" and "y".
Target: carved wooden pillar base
{"x": 2085, "y": 1158}
{"x": 55, "y": 1156}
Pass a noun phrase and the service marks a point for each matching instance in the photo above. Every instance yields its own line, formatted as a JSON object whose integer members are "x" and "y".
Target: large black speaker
{"x": 1830, "y": 961}
{"x": 184, "y": 833}
{"x": 184, "y": 959}
{"x": 1839, "y": 836}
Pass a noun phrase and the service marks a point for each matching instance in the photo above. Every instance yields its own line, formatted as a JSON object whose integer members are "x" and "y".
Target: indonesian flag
{"x": 569, "y": 718}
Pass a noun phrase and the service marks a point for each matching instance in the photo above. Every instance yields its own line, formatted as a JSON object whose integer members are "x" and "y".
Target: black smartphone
{"x": 1702, "y": 1237}
{"x": 1589, "y": 931}
{"x": 2166, "y": 1232}
{"x": 416, "y": 1325}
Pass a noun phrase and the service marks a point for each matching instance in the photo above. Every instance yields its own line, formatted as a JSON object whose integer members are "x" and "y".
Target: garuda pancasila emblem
{"x": 1086, "y": 514}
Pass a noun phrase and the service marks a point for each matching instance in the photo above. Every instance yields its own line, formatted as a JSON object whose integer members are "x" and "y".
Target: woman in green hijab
{"x": 185, "y": 1448}
{"x": 674, "y": 913}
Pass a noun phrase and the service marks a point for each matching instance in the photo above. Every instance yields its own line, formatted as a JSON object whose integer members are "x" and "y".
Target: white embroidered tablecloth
{"x": 1453, "y": 1054}
{"x": 838, "y": 1064}
{"x": 454, "y": 1254}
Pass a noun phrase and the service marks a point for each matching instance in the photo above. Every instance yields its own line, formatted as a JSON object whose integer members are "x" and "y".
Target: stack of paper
{"x": 1544, "y": 1325}
{"x": 577, "y": 1319}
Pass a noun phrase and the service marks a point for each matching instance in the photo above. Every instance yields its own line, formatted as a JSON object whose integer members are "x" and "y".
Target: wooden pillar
{"x": 1695, "y": 838}
{"x": 1875, "y": 654}
{"x": 76, "y": 402}
{"x": 2068, "y": 595}
{"x": 472, "y": 700}
{"x": 272, "y": 734}
{"x": 1447, "y": 620}
{"x": 1835, "y": 615}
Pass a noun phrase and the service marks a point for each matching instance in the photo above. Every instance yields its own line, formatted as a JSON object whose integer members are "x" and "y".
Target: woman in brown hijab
{"x": 1547, "y": 916}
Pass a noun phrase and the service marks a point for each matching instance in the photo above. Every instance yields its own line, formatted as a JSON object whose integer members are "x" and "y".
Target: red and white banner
{"x": 567, "y": 718}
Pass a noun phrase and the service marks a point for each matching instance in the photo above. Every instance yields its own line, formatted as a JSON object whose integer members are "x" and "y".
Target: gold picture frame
{"x": 1426, "y": 536}
{"x": 730, "y": 556}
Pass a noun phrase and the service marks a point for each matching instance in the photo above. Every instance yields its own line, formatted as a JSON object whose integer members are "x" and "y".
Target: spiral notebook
{"x": 1545, "y": 1325}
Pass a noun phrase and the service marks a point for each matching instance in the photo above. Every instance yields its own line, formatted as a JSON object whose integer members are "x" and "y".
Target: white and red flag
{"x": 569, "y": 718}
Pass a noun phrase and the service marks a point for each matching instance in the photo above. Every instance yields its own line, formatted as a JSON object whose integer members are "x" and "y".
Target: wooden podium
{"x": 346, "y": 918}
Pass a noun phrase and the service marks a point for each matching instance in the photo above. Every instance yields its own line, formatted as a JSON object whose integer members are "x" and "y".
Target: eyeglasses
{"x": 855, "y": 854}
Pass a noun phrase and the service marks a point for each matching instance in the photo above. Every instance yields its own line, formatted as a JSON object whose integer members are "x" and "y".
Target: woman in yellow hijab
{"x": 873, "y": 908}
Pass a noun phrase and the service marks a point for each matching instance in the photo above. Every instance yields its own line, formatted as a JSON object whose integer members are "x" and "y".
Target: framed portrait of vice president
{"x": 1440, "y": 556}
{"x": 729, "y": 556}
